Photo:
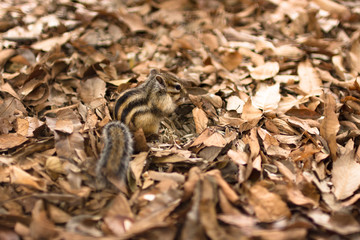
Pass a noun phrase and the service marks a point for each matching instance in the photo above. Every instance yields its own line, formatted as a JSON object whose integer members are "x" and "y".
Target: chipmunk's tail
{"x": 116, "y": 154}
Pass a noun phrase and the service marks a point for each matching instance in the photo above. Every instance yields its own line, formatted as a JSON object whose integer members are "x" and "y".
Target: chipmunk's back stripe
{"x": 122, "y": 99}
{"x": 140, "y": 112}
{"x": 132, "y": 105}
{"x": 156, "y": 111}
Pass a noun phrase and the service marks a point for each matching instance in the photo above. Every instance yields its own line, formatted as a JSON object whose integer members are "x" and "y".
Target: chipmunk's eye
{"x": 178, "y": 87}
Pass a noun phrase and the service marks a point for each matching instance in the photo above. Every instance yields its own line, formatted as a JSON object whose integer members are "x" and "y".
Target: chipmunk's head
{"x": 167, "y": 83}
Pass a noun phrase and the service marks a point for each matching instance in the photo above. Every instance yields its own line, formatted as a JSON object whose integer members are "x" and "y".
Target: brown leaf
{"x": 119, "y": 217}
{"x": 68, "y": 145}
{"x": 48, "y": 44}
{"x": 227, "y": 190}
{"x": 267, "y": 97}
{"x": 64, "y": 125}
{"x": 268, "y": 70}
{"x": 303, "y": 113}
{"x": 18, "y": 176}
{"x": 330, "y": 125}
{"x": 210, "y": 41}
{"x": 91, "y": 89}
{"x": 11, "y": 140}
{"x": 268, "y": 206}
{"x": 137, "y": 166}
{"x": 6, "y": 87}
{"x": 231, "y": 60}
{"x": 355, "y": 55}
{"x": 288, "y": 51}
{"x": 207, "y": 212}
{"x": 309, "y": 79}
{"x": 216, "y": 139}
{"x": 41, "y": 227}
{"x": 298, "y": 198}
{"x": 5, "y": 55}
{"x": 345, "y": 175}
{"x": 57, "y": 215}
{"x": 55, "y": 165}
{"x": 134, "y": 22}
{"x": 340, "y": 222}
{"x": 333, "y": 7}
{"x": 235, "y": 103}
{"x": 250, "y": 113}
{"x": 200, "y": 120}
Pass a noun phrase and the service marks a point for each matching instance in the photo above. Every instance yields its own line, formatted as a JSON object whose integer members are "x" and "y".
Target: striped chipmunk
{"x": 141, "y": 107}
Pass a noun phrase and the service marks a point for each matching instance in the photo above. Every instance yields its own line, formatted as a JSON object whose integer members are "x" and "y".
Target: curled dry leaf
{"x": 200, "y": 120}
{"x": 134, "y": 22}
{"x": 57, "y": 215}
{"x": 333, "y": 7}
{"x": 216, "y": 139}
{"x": 189, "y": 185}
{"x": 6, "y": 87}
{"x": 27, "y": 126}
{"x": 330, "y": 125}
{"x": 91, "y": 89}
{"x": 268, "y": 70}
{"x": 268, "y": 206}
{"x": 251, "y": 113}
{"x": 19, "y": 176}
{"x": 209, "y": 138}
{"x": 298, "y": 198}
{"x": 227, "y": 190}
{"x": 119, "y": 216}
{"x": 55, "y": 164}
{"x": 303, "y": 113}
{"x": 355, "y": 55}
{"x": 235, "y": 103}
{"x": 309, "y": 79}
{"x": 207, "y": 211}
{"x": 267, "y": 97}
{"x": 11, "y": 140}
{"x": 288, "y": 51}
{"x": 340, "y": 222}
{"x": 41, "y": 227}
{"x": 137, "y": 166}
{"x": 48, "y": 44}
{"x": 210, "y": 40}
{"x": 345, "y": 176}
{"x": 231, "y": 60}
{"x": 5, "y": 55}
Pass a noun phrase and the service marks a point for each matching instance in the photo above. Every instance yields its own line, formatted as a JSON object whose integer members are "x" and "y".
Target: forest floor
{"x": 265, "y": 145}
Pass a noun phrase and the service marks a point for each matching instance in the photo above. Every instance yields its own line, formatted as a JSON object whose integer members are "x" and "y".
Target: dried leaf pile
{"x": 265, "y": 146}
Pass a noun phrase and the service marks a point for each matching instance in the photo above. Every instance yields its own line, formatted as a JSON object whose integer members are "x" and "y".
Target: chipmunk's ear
{"x": 153, "y": 72}
{"x": 161, "y": 81}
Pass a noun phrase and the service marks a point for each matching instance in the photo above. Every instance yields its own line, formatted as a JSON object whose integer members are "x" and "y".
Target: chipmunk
{"x": 141, "y": 107}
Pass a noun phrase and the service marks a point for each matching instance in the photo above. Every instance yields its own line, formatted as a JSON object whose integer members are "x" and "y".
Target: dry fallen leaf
{"x": 268, "y": 70}
{"x": 11, "y": 140}
{"x": 267, "y": 97}
{"x": 310, "y": 82}
{"x": 345, "y": 176}
{"x": 333, "y": 7}
{"x": 231, "y": 60}
{"x": 268, "y": 206}
{"x": 330, "y": 125}
{"x": 355, "y": 55}
{"x": 200, "y": 119}
{"x": 19, "y": 176}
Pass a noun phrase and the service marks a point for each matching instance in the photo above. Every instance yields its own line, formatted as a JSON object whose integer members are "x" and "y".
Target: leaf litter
{"x": 264, "y": 146}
